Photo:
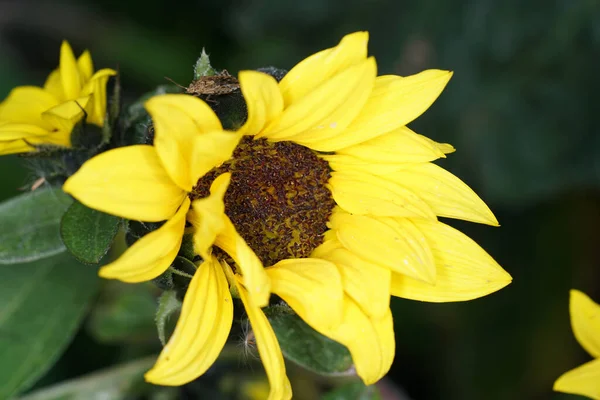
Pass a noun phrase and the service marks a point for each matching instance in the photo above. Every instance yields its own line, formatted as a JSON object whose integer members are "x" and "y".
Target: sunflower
{"x": 585, "y": 320}
{"x": 32, "y": 115}
{"x": 324, "y": 185}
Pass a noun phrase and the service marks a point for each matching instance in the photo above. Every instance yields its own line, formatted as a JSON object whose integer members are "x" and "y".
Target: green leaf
{"x": 354, "y": 391}
{"x": 124, "y": 381}
{"x": 30, "y": 225}
{"x": 308, "y": 348}
{"x": 43, "y": 303}
{"x": 88, "y": 233}
{"x": 168, "y": 304}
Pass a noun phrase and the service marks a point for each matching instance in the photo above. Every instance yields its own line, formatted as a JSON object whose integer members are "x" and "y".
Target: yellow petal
{"x": 366, "y": 283}
{"x": 151, "y": 255}
{"x": 312, "y": 287}
{"x": 311, "y": 72}
{"x": 368, "y": 194}
{"x": 25, "y": 104}
{"x": 207, "y": 216}
{"x": 201, "y": 331}
{"x": 464, "y": 270}
{"x": 392, "y": 243}
{"x": 188, "y": 137}
{"x": 59, "y": 138}
{"x": 53, "y": 85}
{"x": 268, "y": 348}
{"x": 445, "y": 148}
{"x": 69, "y": 72}
{"x": 447, "y": 195}
{"x": 583, "y": 380}
{"x": 263, "y": 100}
{"x": 327, "y": 110}
{"x": 96, "y": 87}
{"x": 370, "y": 341}
{"x": 347, "y": 163}
{"x": 15, "y": 147}
{"x": 250, "y": 267}
{"x": 64, "y": 116}
{"x": 585, "y": 320}
{"x": 401, "y": 145}
{"x": 13, "y": 131}
{"x": 85, "y": 67}
{"x": 129, "y": 182}
{"x": 395, "y": 101}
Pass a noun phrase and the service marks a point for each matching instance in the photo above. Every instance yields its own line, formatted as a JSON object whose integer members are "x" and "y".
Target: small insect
{"x": 219, "y": 84}
{"x": 39, "y": 182}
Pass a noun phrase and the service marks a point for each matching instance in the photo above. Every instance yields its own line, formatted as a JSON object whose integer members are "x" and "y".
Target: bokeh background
{"x": 521, "y": 109}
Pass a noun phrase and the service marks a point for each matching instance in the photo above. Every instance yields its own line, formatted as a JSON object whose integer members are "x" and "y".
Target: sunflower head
{"x": 316, "y": 192}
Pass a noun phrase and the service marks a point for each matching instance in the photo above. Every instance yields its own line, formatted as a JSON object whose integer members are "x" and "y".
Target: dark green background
{"x": 521, "y": 110}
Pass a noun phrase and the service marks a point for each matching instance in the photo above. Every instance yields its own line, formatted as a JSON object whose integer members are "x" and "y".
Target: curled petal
{"x": 464, "y": 270}
{"x": 585, "y": 320}
{"x": 391, "y": 243}
{"x": 64, "y": 116}
{"x": 312, "y": 287}
{"x": 207, "y": 216}
{"x": 263, "y": 100}
{"x": 201, "y": 331}
{"x": 313, "y": 71}
{"x": 151, "y": 255}
{"x": 255, "y": 278}
{"x": 129, "y": 182}
{"x": 583, "y": 380}
{"x": 268, "y": 348}
{"x": 96, "y": 88}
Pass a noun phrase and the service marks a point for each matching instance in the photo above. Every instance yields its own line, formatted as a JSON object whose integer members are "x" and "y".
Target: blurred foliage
{"x": 520, "y": 109}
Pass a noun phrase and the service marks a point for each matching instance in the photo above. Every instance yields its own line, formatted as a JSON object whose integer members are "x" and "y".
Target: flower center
{"x": 277, "y": 199}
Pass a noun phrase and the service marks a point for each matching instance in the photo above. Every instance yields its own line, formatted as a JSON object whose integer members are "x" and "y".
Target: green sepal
{"x": 306, "y": 347}
{"x": 168, "y": 304}
{"x": 187, "y": 247}
{"x": 30, "y": 225}
{"x": 45, "y": 302}
{"x": 203, "y": 67}
{"x": 88, "y": 233}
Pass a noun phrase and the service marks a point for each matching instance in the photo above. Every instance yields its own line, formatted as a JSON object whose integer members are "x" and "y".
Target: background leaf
{"x": 115, "y": 383}
{"x": 43, "y": 303}
{"x": 303, "y": 345}
{"x": 88, "y": 233}
{"x": 124, "y": 313}
{"x": 353, "y": 391}
{"x": 30, "y": 225}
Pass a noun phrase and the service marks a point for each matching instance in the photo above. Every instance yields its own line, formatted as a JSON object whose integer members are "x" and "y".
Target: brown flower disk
{"x": 277, "y": 198}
